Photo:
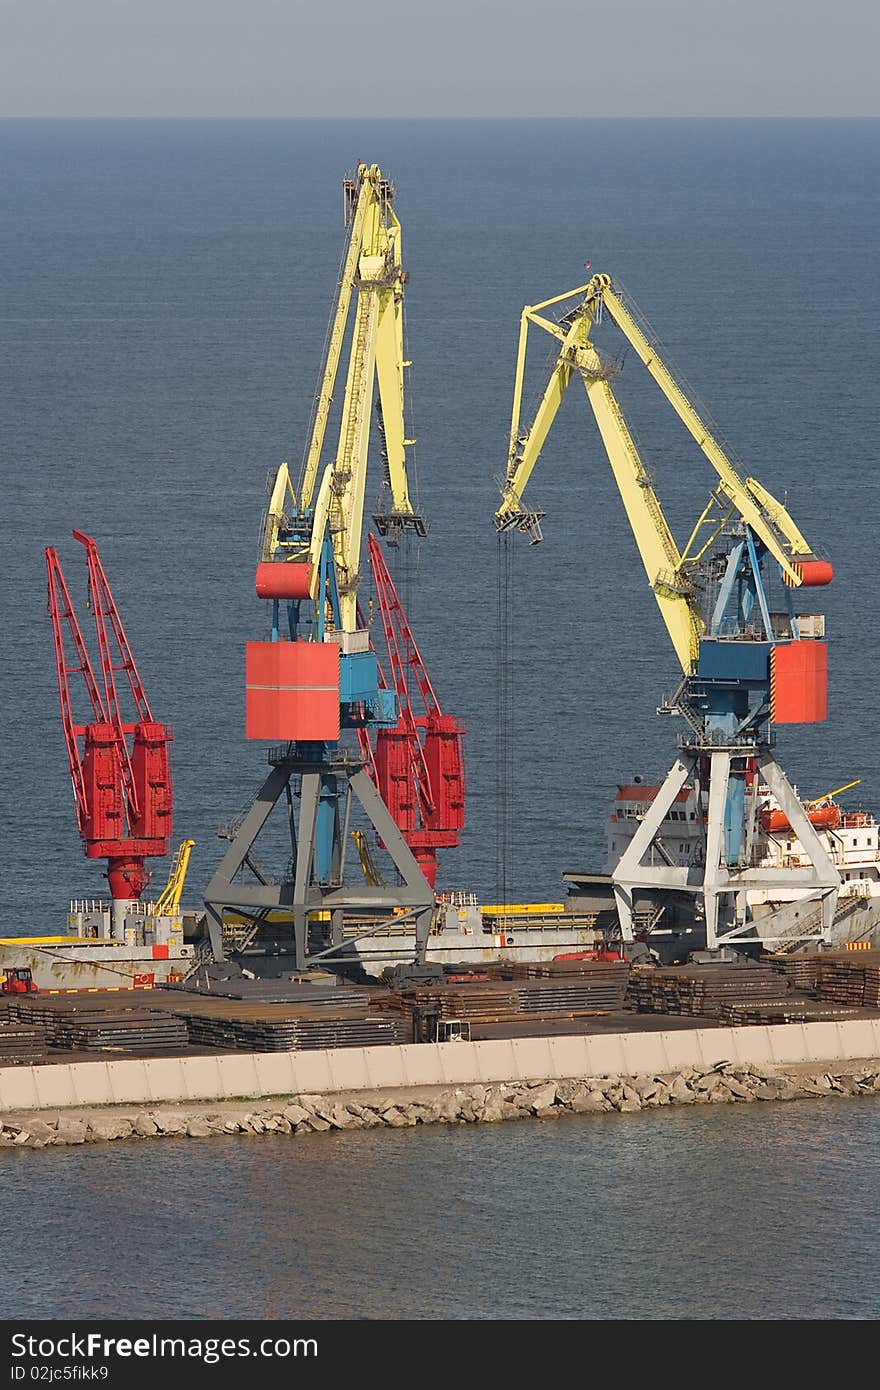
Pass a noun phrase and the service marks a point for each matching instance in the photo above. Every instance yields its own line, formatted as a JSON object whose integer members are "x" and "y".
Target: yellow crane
{"x": 306, "y": 688}
{"x": 368, "y": 864}
{"x": 828, "y": 797}
{"x": 168, "y": 902}
{"x": 744, "y": 666}
{"x": 297, "y": 520}
{"x": 669, "y": 569}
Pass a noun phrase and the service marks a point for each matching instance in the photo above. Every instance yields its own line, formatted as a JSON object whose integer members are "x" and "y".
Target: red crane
{"x": 121, "y": 790}
{"x": 418, "y": 765}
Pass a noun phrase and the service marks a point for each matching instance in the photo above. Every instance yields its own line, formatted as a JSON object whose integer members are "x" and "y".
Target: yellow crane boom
{"x": 168, "y": 902}
{"x": 829, "y": 796}
{"x": 667, "y": 567}
{"x": 371, "y": 874}
{"x": 372, "y": 280}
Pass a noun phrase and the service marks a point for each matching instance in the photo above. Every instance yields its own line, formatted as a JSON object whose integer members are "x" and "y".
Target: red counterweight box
{"x": 292, "y": 690}
{"x": 799, "y": 682}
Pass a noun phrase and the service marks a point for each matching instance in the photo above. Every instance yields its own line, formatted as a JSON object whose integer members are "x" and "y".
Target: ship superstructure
{"x": 850, "y": 838}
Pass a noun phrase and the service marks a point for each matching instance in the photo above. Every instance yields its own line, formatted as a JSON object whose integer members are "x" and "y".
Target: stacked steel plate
{"x": 605, "y": 990}
{"x": 21, "y": 1044}
{"x": 484, "y": 1000}
{"x": 254, "y": 1026}
{"x": 273, "y": 1016}
{"x": 270, "y": 991}
{"x": 55, "y": 1012}
{"x": 702, "y": 990}
{"x": 539, "y": 969}
{"x": 561, "y": 995}
{"x": 801, "y": 969}
{"x": 791, "y": 1010}
{"x": 126, "y": 1031}
{"x": 850, "y": 979}
{"x": 872, "y": 985}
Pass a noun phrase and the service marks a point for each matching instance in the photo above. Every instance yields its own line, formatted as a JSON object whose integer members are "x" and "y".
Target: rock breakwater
{"x": 726, "y": 1083}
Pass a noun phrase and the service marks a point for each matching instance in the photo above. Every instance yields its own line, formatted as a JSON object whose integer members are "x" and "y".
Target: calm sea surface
{"x": 746, "y": 1212}
{"x": 163, "y": 298}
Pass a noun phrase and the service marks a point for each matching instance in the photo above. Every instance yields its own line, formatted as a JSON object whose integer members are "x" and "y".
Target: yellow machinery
{"x": 372, "y": 273}
{"x": 368, "y": 864}
{"x": 319, "y": 677}
{"x": 522, "y": 909}
{"x": 669, "y": 570}
{"x": 746, "y": 665}
{"x": 828, "y": 797}
{"x": 168, "y": 902}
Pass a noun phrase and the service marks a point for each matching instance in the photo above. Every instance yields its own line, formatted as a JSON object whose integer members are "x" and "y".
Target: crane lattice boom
{"x": 418, "y": 765}
{"x": 670, "y": 570}
{"x": 370, "y": 297}
{"x": 119, "y": 768}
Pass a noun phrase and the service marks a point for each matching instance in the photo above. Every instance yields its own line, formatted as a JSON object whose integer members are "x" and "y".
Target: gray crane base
{"x": 301, "y": 896}
{"x": 713, "y": 881}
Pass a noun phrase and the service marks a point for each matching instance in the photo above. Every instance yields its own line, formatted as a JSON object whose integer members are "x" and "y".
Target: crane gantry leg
{"x": 295, "y": 902}
{"x": 723, "y": 878}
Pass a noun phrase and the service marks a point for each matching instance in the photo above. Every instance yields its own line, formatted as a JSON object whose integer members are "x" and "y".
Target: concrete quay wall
{"x": 232, "y": 1076}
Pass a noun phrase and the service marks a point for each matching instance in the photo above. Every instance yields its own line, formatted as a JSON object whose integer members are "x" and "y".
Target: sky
{"x": 349, "y": 58}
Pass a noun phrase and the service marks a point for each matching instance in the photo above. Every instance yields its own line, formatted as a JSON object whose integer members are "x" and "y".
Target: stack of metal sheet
{"x": 846, "y": 978}
{"x": 255, "y": 1027}
{"x": 496, "y": 1001}
{"x": 274, "y": 992}
{"x": 593, "y": 1025}
{"x": 126, "y": 1031}
{"x": 872, "y": 983}
{"x": 21, "y": 1044}
{"x": 310, "y": 1016}
{"x": 483, "y": 1000}
{"x": 801, "y": 969}
{"x": 540, "y": 969}
{"x": 702, "y": 990}
{"x": 52, "y": 1011}
{"x": 790, "y": 1010}
{"x": 599, "y": 990}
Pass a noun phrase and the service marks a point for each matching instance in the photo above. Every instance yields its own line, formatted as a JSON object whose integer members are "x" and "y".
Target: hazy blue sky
{"x": 451, "y": 57}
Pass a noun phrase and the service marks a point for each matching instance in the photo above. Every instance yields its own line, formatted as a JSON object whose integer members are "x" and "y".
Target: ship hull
{"x": 87, "y": 964}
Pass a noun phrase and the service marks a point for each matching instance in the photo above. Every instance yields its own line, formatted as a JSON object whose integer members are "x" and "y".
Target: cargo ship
{"x": 154, "y": 949}
{"x": 463, "y": 932}
{"x": 850, "y": 837}
{"x": 157, "y": 949}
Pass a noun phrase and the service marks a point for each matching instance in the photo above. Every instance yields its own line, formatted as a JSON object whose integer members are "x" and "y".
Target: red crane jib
{"x": 122, "y": 791}
{"x": 418, "y": 765}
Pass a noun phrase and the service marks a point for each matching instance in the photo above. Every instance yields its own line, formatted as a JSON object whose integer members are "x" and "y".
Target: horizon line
{"x": 449, "y": 116}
